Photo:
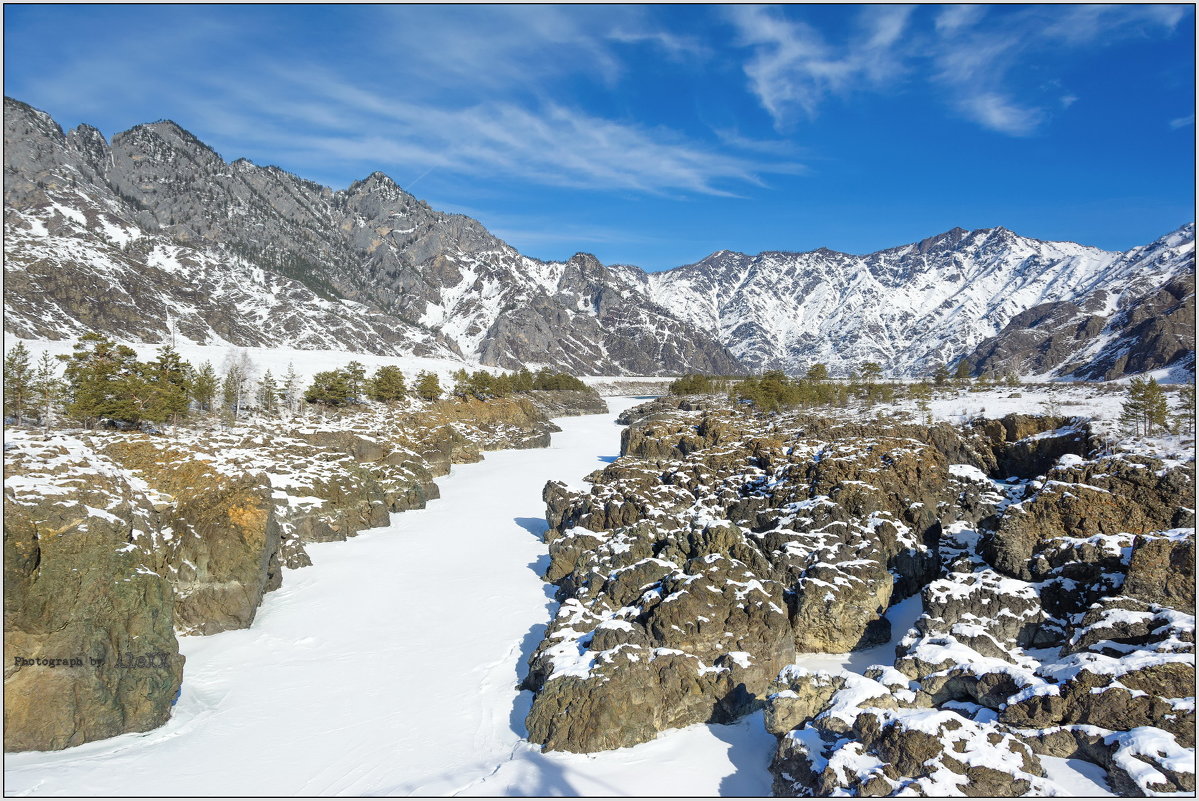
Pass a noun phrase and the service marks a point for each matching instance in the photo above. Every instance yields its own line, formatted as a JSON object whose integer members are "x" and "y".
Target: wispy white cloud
{"x": 974, "y": 62}
{"x": 792, "y": 68}
{"x": 969, "y": 54}
{"x": 999, "y": 113}
{"x": 548, "y": 143}
{"x": 954, "y": 17}
{"x": 477, "y": 91}
{"x": 1182, "y": 122}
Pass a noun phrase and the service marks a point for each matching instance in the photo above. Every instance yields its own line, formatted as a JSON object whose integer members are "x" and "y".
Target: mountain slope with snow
{"x": 911, "y": 307}
{"x": 154, "y": 227}
{"x": 154, "y": 232}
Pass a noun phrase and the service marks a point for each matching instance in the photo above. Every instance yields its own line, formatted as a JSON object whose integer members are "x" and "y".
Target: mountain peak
{"x": 948, "y": 240}
{"x": 170, "y": 132}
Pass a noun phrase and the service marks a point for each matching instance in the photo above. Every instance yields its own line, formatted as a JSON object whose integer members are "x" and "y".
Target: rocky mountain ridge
{"x": 961, "y": 293}
{"x": 154, "y": 229}
{"x": 155, "y": 232}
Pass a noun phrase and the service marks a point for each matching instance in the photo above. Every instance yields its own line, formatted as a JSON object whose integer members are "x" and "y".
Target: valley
{"x": 309, "y": 509}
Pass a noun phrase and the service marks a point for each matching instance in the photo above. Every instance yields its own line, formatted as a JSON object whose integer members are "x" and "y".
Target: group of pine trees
{"x": 484, "y": 385}
{"x": 102, "y": 381}
{"x": 1146, "y": 411}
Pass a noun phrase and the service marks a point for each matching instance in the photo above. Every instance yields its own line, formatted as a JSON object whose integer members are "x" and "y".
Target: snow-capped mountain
{"x": 1137, "y": 315}
{"x": 155, "y": 229}
{"x": 912, "y": 307}
{"x": 155, "y": 232}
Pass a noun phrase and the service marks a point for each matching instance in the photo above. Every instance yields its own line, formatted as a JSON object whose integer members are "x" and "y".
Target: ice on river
{"x": 390, "y": 667}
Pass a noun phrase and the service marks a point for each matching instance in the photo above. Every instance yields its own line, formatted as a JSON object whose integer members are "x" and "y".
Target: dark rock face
{"x": 368, "y": 269}
{"x": 89, "y": 653}
{"x": 1113, "y": 496}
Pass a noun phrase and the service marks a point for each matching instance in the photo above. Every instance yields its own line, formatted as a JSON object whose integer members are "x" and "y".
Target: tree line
{"x": 102, "y": 382}
{"x": 1145, "y": 411}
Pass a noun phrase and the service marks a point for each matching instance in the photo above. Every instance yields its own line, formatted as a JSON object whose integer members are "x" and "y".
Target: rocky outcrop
{"x": 737, "y": 540}
{"x": 116, "y": 541}
{"x": 89, "y": 646}
{"x": 1055, "y": 589}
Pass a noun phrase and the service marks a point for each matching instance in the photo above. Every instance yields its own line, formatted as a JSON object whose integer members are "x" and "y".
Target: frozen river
{"x": 390, "y": 667}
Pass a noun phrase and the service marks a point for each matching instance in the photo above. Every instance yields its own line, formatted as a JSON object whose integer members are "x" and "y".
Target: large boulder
{"x": 89, "y": 642}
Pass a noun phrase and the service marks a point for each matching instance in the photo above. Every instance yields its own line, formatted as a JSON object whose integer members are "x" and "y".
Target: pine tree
{"x": 871, "y": 371}
{"x": 47, "y": 389}
{"x": 355, "y": 373}
{"x": 962, "y": 372}
{"x": 1132, "y": 412}
{"x": 1157, "y": 408}
{"x": 387, "y": 384}
{"x": 1185, "y": 419}
{"x": 204, "y": 386}
{"x": 427, "y": 386}
{"x": 18, "y": 382}
{"x": 268, "y": 394}
{"x": 941, "y": 375}
{"x": 818, "y": 372}
{"x": 104, "y": 381}
{"x": 169, "y": 379}
{"x": 329, "y": 388}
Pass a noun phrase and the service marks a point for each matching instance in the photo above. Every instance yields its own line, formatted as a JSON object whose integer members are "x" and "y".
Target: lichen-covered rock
{"x": 1161, "y": 569}
{"x": 831, "y": 522}
{"x": 89, "y": 643}
{"x": 223, "y": 551}
{"x": 1110, "y": 496}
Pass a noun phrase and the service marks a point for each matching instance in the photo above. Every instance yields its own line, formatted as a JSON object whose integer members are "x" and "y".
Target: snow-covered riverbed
{"x": 390, "y": 667}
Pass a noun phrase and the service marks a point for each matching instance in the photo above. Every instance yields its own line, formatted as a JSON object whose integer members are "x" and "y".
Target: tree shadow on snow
{"x": 608, "y": 459}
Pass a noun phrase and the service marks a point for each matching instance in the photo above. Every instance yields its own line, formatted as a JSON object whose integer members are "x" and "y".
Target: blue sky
{"x": 654, "y": 135}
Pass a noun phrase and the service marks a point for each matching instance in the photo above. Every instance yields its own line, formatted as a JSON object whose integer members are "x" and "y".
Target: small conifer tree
{"x": 18, "y": 381}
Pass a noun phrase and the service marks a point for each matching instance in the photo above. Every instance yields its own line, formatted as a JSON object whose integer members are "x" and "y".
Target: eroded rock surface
{"x": 1056, "y": 590}
{"x": 114, "y": 542}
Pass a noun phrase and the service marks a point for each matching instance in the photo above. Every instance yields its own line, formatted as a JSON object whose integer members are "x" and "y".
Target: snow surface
{"x": 390, "y": 667}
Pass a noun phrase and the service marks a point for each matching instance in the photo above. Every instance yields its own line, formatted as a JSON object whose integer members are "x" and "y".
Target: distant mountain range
{"x": 154, "y": 231}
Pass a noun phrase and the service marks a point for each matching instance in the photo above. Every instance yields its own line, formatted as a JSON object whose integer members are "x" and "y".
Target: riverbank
{"x": 390, "y": 666}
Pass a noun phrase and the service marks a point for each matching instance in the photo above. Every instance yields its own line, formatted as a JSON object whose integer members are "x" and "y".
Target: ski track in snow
{"x": 390, "y": 667}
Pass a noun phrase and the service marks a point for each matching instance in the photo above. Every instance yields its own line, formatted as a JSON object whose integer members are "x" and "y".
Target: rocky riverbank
{"x": 1056, "y": 582}
{"x": 115, "y": 542}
